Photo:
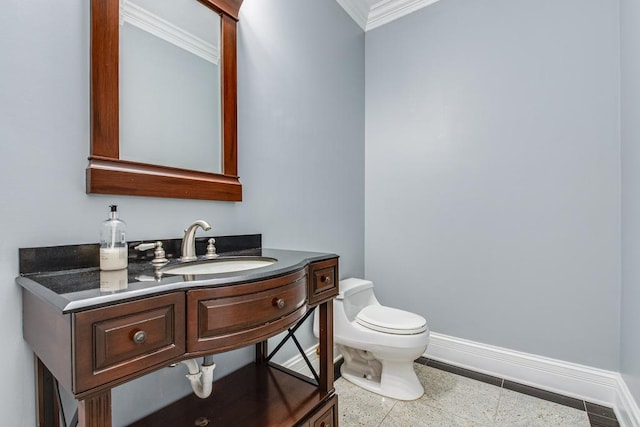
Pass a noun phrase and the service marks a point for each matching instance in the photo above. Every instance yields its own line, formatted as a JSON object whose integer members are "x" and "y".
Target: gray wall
{"x": 630, "y": 138}
{"x": 492, "y": 180}
{"x": 301, "y": 144}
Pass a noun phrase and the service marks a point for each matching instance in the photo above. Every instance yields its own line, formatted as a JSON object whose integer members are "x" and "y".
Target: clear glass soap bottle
{"x": 113, "y": 242}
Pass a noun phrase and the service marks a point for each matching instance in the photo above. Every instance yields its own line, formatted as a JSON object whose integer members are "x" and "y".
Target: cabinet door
{"x": 113, "y": 342}
{"x": 230, "y": 316}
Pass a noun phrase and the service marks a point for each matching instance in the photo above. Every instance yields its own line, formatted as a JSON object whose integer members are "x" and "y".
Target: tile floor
{"x": 451, "y": 399}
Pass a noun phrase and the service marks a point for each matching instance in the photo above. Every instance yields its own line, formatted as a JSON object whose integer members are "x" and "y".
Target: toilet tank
{"x": 355, "y": 294}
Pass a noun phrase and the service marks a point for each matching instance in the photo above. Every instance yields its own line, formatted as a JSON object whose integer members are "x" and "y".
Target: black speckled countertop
{"x": 78, "y": 289}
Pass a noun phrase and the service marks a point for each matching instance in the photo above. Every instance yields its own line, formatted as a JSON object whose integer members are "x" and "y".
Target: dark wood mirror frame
{"x": 107, "y": 173}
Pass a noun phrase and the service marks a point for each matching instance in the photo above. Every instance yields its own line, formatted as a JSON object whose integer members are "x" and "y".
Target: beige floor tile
{"x": 419, "y": 414}
{"x": 460, "y": 397}
{"x": 517, "y": 409}
{"x": 452, "y": 401}
{"x": 359, "y": 407}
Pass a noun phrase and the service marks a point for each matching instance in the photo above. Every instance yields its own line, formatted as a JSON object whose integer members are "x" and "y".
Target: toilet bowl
{"x": 379, "y": 344}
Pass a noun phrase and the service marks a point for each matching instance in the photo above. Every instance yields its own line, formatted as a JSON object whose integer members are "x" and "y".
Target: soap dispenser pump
{"x": 113, "y": 242}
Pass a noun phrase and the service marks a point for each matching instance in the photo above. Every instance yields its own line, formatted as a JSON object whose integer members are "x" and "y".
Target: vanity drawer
{"x": 116, "y": 341}
{"x": 224, "y": 317}
{"x": 323, "y": 281}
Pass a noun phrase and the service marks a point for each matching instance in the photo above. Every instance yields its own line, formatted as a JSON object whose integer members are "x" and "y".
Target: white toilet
{"x": 378, "y": 343}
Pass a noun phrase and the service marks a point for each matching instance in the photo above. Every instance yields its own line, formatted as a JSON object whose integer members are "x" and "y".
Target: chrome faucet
{"x": 189, "y": 240}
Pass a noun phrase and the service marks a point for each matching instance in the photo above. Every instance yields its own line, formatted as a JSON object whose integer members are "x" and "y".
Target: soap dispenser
{"x": 113, "y": 242}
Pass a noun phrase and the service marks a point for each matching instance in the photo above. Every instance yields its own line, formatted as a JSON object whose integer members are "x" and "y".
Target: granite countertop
{"x": 80, "y": 289}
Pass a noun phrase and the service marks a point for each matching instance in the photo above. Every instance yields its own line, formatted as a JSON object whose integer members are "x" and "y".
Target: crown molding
{"x": 358, "y": 10}
{"x": 370, "y": 14}
{"x": 165, "y": 30}
{"x": 386, "y": 11}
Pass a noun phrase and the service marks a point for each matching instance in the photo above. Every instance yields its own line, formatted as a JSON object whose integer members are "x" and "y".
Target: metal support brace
{"x": 74, "y": 420}
{"x": 291, "y": 335}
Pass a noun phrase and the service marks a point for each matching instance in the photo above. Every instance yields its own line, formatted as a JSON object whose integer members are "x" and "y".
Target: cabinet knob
{"x": 325, "y": 279}
{"x": 139, "y": 337}
{"x": 201, "y": 422}
{"x": 278, "y": 302}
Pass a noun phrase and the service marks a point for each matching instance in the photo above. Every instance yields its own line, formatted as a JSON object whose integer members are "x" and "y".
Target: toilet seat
{"x": 391, "y": 320}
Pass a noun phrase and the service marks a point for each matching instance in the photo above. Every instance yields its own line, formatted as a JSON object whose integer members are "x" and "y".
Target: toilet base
{"x": 398, "y": 380}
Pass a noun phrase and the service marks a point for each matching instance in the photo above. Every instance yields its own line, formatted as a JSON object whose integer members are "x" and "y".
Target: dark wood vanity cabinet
{"x": 90, "y": 351}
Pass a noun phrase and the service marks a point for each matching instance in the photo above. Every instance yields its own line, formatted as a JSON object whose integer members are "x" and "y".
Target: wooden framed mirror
{"x": 111, "y": 172}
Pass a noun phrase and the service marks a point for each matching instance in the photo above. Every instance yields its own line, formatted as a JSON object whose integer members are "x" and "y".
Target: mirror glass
{"x": 170, "y": 84}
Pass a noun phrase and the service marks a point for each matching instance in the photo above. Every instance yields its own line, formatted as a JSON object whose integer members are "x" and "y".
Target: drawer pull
{"x": 325, "y": 279}
{"x": 278, "y": 302}
{"x": 139, "y": 337}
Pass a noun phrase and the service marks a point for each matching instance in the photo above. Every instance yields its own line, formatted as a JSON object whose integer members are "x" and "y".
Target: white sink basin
{"x": 219, "y": 266}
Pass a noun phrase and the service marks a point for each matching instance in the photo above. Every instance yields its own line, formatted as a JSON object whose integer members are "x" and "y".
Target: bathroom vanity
{"x": 90, "y": 340}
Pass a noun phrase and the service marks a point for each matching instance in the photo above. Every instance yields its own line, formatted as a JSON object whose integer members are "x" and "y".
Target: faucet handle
{"x": 143, "y": 247}
{"x": 159, "y": 255}
{"x": 211, "y": 249}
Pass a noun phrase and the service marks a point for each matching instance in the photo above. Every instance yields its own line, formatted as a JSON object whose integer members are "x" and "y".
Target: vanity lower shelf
{"x": 256, "y": 395}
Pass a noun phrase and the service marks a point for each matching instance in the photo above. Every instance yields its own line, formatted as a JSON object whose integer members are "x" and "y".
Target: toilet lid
{"x": 391, "y": 320}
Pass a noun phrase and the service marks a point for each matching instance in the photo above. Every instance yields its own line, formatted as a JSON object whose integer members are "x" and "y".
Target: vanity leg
{"x": 326, "y": 347}
{"x": 262, "y": 351}
{"x": 95, "y": 411}
{"x": 48, "y": 411}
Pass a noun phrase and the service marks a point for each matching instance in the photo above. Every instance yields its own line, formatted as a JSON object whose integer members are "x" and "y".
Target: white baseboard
{"x": 626, "y": 407}
{"x": 591, "y": 384}
{"x": 297, "y": 363}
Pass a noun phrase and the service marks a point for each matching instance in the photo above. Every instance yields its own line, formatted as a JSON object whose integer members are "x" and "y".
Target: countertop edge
{"x": 68, "y": 305}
